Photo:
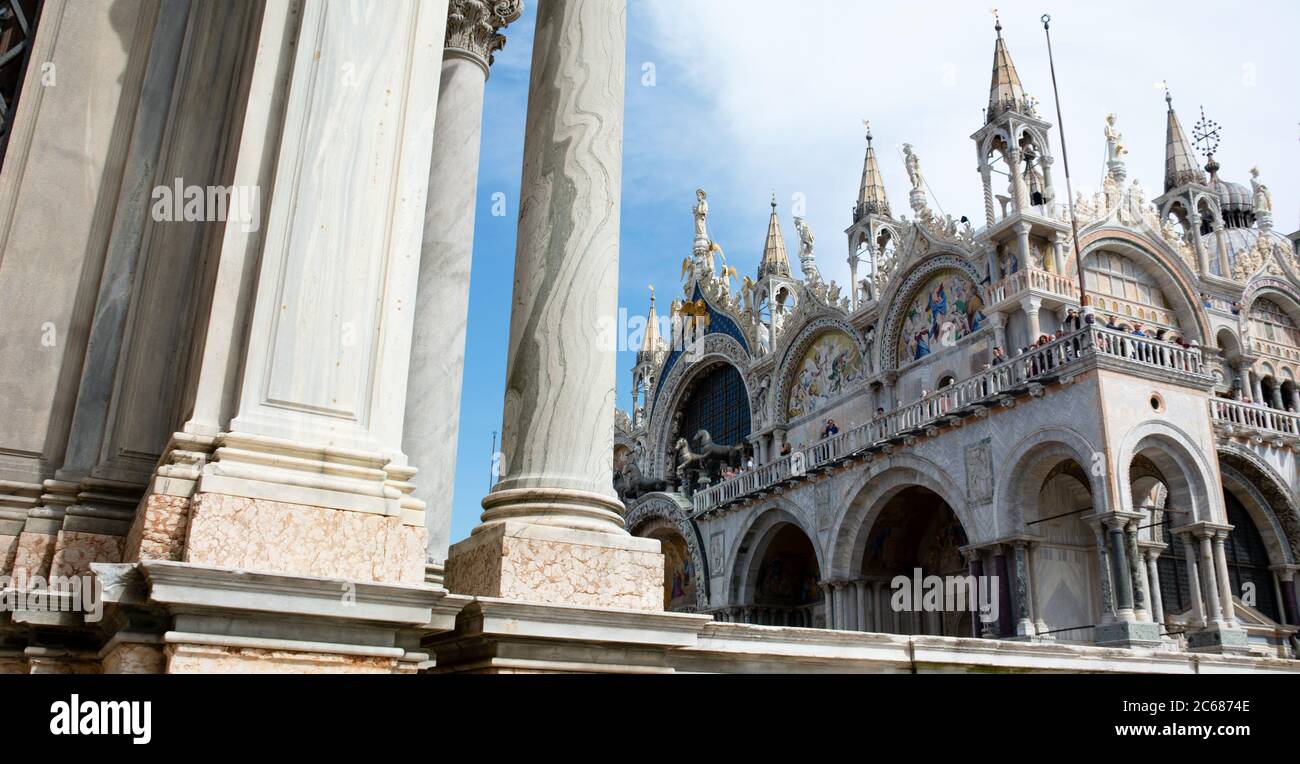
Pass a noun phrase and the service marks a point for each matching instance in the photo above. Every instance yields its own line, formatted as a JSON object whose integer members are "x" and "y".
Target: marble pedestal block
{"x": 1128, "y": 634}
{"x": 558, "y": 566}
{"x": 1218, "y": 639}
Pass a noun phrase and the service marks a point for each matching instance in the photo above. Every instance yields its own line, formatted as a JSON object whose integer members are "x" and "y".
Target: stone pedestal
{"x": 534, "y": 563}
{"x": 1128, "y": 634}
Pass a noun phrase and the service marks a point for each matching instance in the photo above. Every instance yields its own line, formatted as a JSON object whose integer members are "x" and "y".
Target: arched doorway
{"x": 1063, "y": 565}
{"x": 783, "y": 580}
{"x": 914, "y": 535}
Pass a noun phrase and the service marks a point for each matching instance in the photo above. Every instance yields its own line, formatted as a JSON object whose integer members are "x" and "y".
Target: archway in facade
{"x": 783, "y": 579}
{"x": 681, "y": 579}
{"x": 914, "y": 535}
{"x": 1065, "y": 598}
{"x": 713, "y": 402}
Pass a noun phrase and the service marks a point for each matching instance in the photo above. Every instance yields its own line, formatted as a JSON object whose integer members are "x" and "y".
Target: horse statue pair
{"x": 691, "y": 466}
{"x": 631, "y": 484}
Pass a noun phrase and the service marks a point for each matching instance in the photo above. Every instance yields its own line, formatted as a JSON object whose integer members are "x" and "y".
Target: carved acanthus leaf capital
{"x": 475, "y": 25}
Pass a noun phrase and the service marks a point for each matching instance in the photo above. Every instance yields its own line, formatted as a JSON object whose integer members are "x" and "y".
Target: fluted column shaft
{"x": 442, "y": 302}
{"x": 1225, "y": 583}
{"x": 558, "y": 422}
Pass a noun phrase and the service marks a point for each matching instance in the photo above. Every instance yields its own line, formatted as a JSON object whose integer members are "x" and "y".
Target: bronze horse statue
{"x": 714, "y": 451}
{"x": 634, "y": 484}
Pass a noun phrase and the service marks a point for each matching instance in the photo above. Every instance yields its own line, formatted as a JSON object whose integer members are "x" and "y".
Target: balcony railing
{"x": 1245, "y": 415}
{"x": 1033, "y": 278}
{"x": 1013, "y": 377}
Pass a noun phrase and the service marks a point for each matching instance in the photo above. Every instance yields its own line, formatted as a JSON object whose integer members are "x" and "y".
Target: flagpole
{"x": 1065, "y": 155}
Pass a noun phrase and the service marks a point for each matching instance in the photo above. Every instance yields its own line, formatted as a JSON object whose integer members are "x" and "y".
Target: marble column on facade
{"x": 1031, "y": 306}
{"x": 998, "y": 320}
{"x": 975, "y": 568}
{"x": 1002, "y": 570}
{"x": 879, "y": 608}
{"x": 1277, "y": 401}
{"x": 1058, "y": 253}
{"x": 1121, "y": 573}
{"x": 555, "y": 500}
{"x": 1209, "y": 584}
{"x": 1137, "y": 573}
{"x": 1287, "y": 592}
{"x": 1040, "y": 623}
{"x": 1105, "y": 578}
{"x": 442, "y": 302}
{"x": 1243, "y": 381}
{"x": 1151, "y": 557}
{"x": 1199, "y": 618}
{"x": 1024, "y": 617}
{"x": 1225, "y": 582}
{"x": 1257, "y": 390}
{"x": 1023, "y": 245}
{"x": 864, "y": 621}
{"x": 828, "y": 605}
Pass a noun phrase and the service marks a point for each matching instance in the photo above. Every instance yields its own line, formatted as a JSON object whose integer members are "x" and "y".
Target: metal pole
{"x": 1065, "y": 155}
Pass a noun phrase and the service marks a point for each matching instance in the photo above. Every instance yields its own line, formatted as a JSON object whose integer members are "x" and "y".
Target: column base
{"x": 558, "y": 566}
{"x": 1128, "y": 634}
{"x": 1218, "y": 639}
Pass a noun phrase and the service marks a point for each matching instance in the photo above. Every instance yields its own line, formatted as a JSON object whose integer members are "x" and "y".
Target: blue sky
{"x": 747, "y": 97}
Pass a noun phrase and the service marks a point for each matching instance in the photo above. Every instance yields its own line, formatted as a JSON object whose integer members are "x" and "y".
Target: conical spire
{"x": 1180, "y": 163}
{"x": 776, "y": 262}
{"x": 652, "y": 342}
{"x": 1006, "y": 93}
{"x": 871, "y": 195}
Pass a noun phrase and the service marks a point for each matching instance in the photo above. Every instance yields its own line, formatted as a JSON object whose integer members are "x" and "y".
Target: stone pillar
{"x": 1040, "y": 623}
{"x": 1024, "y": 617}
{"x": 879, "y": 608}
{"x": 860, "y": 589}
{"x": 1104, "y": 580}
{"x": 975, "y": 567}
{"x": 1031, "y": 306}
{"x": 1225, "y": 583}
{"x": 998, "y": 320}
{"x": 1120, "y": 571}
{"x": 1004, "y": 591}
{"x": 1137, "y": 573}
{"x": 1023, "y": 246}
{"x": 1277, "y": 402}
{"x": 556, "y": 500}
{"x": 442, "y": 303}
{"x": 1058, "y": 254}
{"x": 828, "y": 600}
{"x": 986, "y": 173}
{"x": 1153, "y": 580}
{"x": 1194, "y": 582}
{"x": 1214, "y": 611}
{"x": 1243, "y": 381}
{"x": 1287, "y": 591}
{"x": 1257, "y": 389}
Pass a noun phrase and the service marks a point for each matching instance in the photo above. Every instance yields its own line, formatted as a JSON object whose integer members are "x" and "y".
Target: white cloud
{"x": 771, "y": 94}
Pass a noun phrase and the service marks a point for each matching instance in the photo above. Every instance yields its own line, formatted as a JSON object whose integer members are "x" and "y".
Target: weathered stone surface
{"x": 270, "y": 536}
{"x": 531, "y": 564}
{"x": 159, "y": 529}
{"x": 205, "y": 659}
{"x": 74, "y": 551}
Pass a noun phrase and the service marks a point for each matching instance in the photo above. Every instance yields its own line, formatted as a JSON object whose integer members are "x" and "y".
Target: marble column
{"x": 556, "y": 499}
{"x": 976, "y": 568}
{"x": 1031, "y": 306}
{"x": 1194, "y": 582}
{"x": 1104, "y": 576}
{"x": 1225, "y": 583}
{"x": 1026, "y": 251}
{"x": 860, "y": 589}
{"x": 998, "y": 321}
{"x": 1257, "y": 390}
{"x": 1214, "y": 611}
{"x": 1040, "y": 623}
{"x": 1058, "y": 254}
{"x": 1024, "y": 618}
{"x": 1004, "y": 592}
{"x": 828, "y": 605}
{"x": 442, "y": 301}
{"x": 1287, "y": 592}
{"x": 1137, "y": 573}
{"x": 1153, "y": 579}
{"x": 1243, "y": 381}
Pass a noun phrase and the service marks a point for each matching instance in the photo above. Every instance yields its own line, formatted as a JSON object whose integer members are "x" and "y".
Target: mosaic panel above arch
{"x": 827, "y": 370}
{"x": 946, "y": 310}
{"x": 917, "y": 290}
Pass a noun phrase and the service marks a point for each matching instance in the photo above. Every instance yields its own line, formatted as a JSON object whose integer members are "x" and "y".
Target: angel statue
{"x": 1115, "y": 148}
{"x": 913, "y": 164}
{"x": 807, "y": 261}
{"x": 701, "y": 217}
{"x": 1263, "y": 197}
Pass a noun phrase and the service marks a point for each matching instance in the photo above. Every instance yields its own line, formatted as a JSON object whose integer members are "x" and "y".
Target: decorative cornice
{"x": 474, "y": 26}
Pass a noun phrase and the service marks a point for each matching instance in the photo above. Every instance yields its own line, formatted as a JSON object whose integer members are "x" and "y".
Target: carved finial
{"x": 997, "y": 21}
{"x": 867, "y": 124}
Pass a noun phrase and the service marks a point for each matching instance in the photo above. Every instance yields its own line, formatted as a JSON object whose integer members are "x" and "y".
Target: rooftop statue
{"x": 1263, "y": 197}
{"x": 913, "y": 164}
{"x": 1115, "y": 148}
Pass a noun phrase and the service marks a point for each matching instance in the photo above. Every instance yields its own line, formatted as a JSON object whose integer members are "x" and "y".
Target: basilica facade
{"x": 1123, "y": 468}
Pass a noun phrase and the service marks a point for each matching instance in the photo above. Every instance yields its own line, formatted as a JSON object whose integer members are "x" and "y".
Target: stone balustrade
{"x": 1235, "y": 415}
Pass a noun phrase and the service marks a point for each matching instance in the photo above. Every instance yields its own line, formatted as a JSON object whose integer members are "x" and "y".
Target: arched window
{"x": 717, "y": 403}
{"x": 1116, "y": 276}
{"x": 1248, "y": 561}
{"x": 1271, "y": 323}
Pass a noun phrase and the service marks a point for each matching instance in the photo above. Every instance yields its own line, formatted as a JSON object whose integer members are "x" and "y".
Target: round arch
{"x": 1278, "y": 505}
{"x": 792, "y": 357}
{"x": 1031, "y": 462}
{"x": 1189, "y": 477}
{"x": 750, "y": 549}
{"x": 902, "y": 291}
{"x": 1169, "y": 275}
{"x": 868, "y": 496}
{"x": 674, "y": 511}
{"x": 718, "y": 348}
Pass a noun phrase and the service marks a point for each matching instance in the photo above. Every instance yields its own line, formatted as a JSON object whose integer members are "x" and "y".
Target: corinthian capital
{"x": 474, "y": 25}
